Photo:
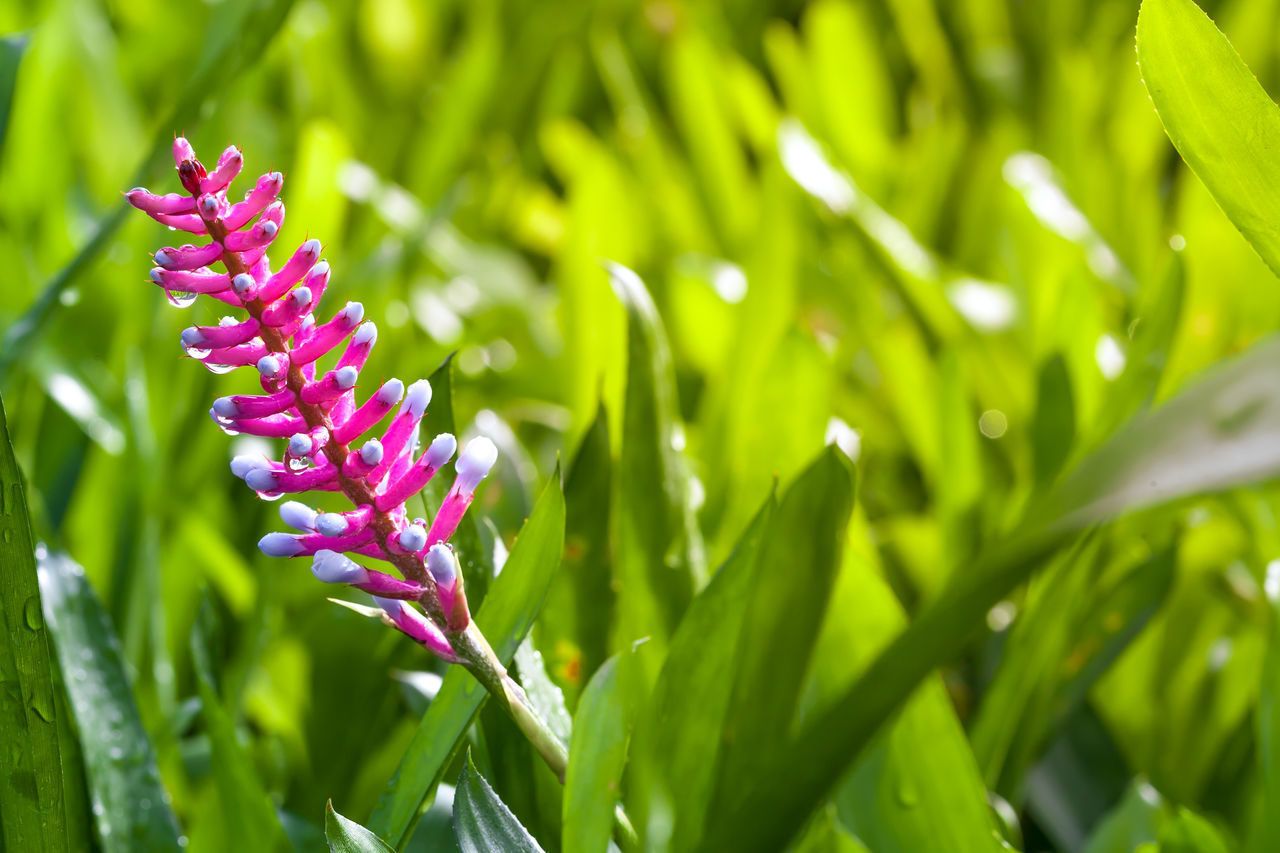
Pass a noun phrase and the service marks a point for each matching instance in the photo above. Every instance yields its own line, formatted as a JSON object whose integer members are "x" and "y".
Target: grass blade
{"x": 31, "y": 795}
{"x": 1217, "y": 114}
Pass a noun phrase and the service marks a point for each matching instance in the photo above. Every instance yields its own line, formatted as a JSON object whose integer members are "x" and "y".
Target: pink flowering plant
{"x": 331, "y": 441}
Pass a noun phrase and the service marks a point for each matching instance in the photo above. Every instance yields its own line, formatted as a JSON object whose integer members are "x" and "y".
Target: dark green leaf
{"x": 130, "y": 804}
{"x": 1187, "y": 832}
{"x": 12, "y": 47}
{"x": 1220, "y": 119}
{"x": 505, "y": 617}
{"x": 31, "y": 795}
{"x": 347, "y": 836}
{"x": 1054, "y": 427}
{"x": 1130, "y": 824}
{"x": 483, "y": 822}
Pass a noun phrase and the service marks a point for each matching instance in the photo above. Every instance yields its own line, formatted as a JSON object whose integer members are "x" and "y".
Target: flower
{"x": 316, "y": 410}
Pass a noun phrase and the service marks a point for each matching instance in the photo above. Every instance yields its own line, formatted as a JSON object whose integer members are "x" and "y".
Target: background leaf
{"x": 347, "y": 836}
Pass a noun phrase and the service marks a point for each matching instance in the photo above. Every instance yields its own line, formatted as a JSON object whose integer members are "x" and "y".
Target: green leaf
{"x": 1135, "y": 821}
{"x": 12, "y": 48}
{"x": 1221, "y": 432}
{"x": 678, "y": 739}
{"x": 130, "y": 804}
{"x": 347, "y": 836}
{"x": 598, "y": 754}
{"x": 255, "y": 825}
{"x": 1187, "y": 832}
{"x": 31, "y": 793}
{"x": 1269, "y": 722}
{"x": 799, "y": 560}
{"x": 505, "y": 617}
{"x": 1218, "y": 116}
{"x": 483, "y": 821}
{"x": 1054, "y": 427}
{"x": 659, "y": 561}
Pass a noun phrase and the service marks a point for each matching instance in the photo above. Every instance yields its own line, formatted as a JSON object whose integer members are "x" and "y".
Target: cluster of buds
{"x": 315, "y": 409}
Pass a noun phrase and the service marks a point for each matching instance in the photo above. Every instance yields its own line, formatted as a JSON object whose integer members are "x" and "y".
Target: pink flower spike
{"x": 408, "y": 485}
{"x": 292, "y": 308}
{"x": 472, "y": 466}
{"x": 229, "y": 165}
{"x": 275, "y": 479}
{"x": 374, "y": 410}
{"x": 257, "y": 237}
{"x": 333, "y": 384}
{"x": 326, "y": 337}
{"x": 255, "y": 201}
{"x": 358, "y": 349}
{"x": 169, "y": 204}
{"x": 341, "y": 523}
{"x": 403, "y": 426}
{"x": 182, "y": 150}
{"x": 276, "y": 426}
{"x": 292, "y": 272}
{"x": 289, "y": 545}
{"x": 254, "y": 406}
{"x": 360, "y": 463}
{"x": 188, "y": 222}
{"x": 413, "y": 623}
{"x": 196, "y": 281}
{"x": 240, "y": 356}
{"x": 188, "y": 257}
{"x": 219, "y": 337}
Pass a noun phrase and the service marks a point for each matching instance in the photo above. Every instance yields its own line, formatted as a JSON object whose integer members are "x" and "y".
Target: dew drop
{"x": 115, "y": 753}
{"x": 298, "y": 463}
{"x": 906, "y": 793}
{"x": 180, "y": 298}
{"x": 270, "y": 496}
{"x": 31, "y": 613}
{"x": 219, "y": 368}
{"x": 198, "y": 353}
{"x": 8, "y": 535}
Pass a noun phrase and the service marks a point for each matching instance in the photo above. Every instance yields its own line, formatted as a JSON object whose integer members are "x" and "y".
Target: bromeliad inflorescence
{"x": 316, "y": 410}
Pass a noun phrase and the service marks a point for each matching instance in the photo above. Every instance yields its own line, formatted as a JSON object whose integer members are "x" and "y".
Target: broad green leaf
{"x": 484, "y": 824}
{"x": 1218, "y": 116}
{"x": 12, "y": 47}
{"x": 255, "y": 825}
{"x": 598, "y": 753}
{"x": 1221, "y": 432}
{"x": 659, "y": 559}
{"x": 130, "y": 803}
{"x": 347, "y": 836}
{"x": 505, "y": 617}
{"x": 31, "y": 790}
{"x": 678, "y": 739}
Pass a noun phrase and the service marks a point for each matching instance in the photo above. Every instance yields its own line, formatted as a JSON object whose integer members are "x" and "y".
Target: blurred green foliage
{"x": 951, "y": 238}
